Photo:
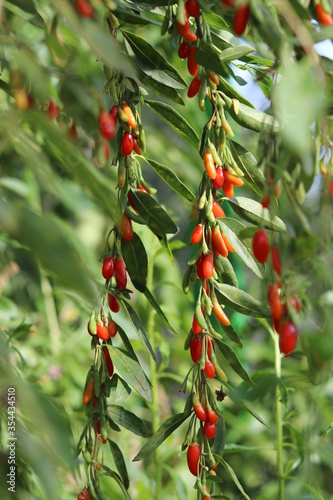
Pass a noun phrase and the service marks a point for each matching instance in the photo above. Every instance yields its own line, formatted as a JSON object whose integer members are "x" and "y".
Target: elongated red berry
{"x": 199, "y": 267}
{"x": 288, "y": 338}
{"x": 113, "y": 303}
{"x": 108, "y": 268}
{"x": 209, "y": 369}
{"x": 192, "y": 65}
{"x": 127, "y": 144}
{"x": 208, "y": 265}
{"x": 120, "y": 273}
{"x": 102, "y": 332}
{"x": 107, "y": 125}
{"x": 193, "y": 457}
{"x": 84, "y": 8}
{"x": 241, "y": 18}
{"x": 197, "y": 233}
{"x": 219, "y": 179}
{"x": 196, "y": 328}
{"x": 184, "y": 50}
{"x": 218, "y": 211}
{"x": 108, "y": 360}
{"x": 112, "y": 329}
{"x": 260, "y": 246}
{"x": 276, "y": 261}
{"x": 211, "y": 416}
{"x": 194, "y": 87}
{"x": 193, "y": 8}
{"x": 209, "y": 429}
{"x": 126, "y": 227}
{"x": 274, "y": 301}
{"x": 53, "y": 110}
{"x": 195, "y": 349}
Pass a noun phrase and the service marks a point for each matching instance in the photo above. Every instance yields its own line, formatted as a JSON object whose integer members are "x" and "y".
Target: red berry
{"x": 322, "y": 16}
{"x": 197, "y": 233}
{"x": 113, "y": 303}
{"x": 120, "y": 273}
{"x": 209, "y": 369}
{"x": 126, "y": 228}
{"x": 112, "y": 329}
{"x": 53, "y": 110}
{"x": 194, "y": 87}
{"x": 184, "y": 50}
{"x": 274, "y": 301}
{"x": 108, "y": 268}
{"x": 219, "y": 179}
{"x": 260, "y": 246}
{"x": 276, "y": 261}
{"x": 102, "y": 332}
{"x": 331, "y": 188}
{"x": 193, "y": 456}
{"x": 208, "y": 343}
{"x": 113, "y": 113}
{"x": 127, "y": 144}
{"x": 195, "y": 349}
{"x": 196, "y": 328}
{"x": 208, "y": 265}
{"x": 192, "y": 65}
{"x": 211, "y": 416}
{"x": 288, "y": 338}
{"x": 107, "y": 125}
{"x": 199, "y": 267}
{"x": 276, "y": 324}
{"x": 265, "y": 201}
{"x": 108, "y": 360}
{"x": 210, "y": 429}
{"x": 228, "y": 3}
{"x": 241, "y": 18}
{"x": 200, "y": 412}
{"x": 218, "y": 211}
{"x": 84, "y": 8}
{"x": 193, "y": 8}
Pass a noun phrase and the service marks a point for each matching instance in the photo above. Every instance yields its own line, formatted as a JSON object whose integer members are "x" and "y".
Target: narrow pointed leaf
{"x": 249, "y": 166}
{"x": 240, "y": 248}
{"x": 253, "y": 211}
{"x": 240, "y": 401}
{"x": 175, "y": 120}
{"x": 117, "y": 478}
{"x": 169, "y": 426}
{"x": 131, "y": 371}
{"x": 150, "y": 57}
{"x": 136, "y": 323}
{"x": 120, "y": 462}
{"x": 171, "y": 179}
{"x": 151, "y": 299}
{"x": 233, "y": 53}
{"x": 233, "y": 476}
{"x": 240, "y": 301}
{"x": 130, "y": 421}
{"x": 233, "y": 360}
{"x": 136, "y": 261}
{"x": 156, "y": 217}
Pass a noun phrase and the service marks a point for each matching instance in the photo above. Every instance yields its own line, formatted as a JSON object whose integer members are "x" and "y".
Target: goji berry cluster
{"x": 279, "y": 310}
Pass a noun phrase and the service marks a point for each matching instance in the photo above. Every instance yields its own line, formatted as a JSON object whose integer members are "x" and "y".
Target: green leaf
{"x": 233, "y": 53}
{"x": 156, "y": 217}
{"x": 240, "y": 401}
{"x": 119, "y": 462}
{"x": 175, "y": 120}
{"x": 150, "y": 57}
{"x": 240, "y": 248}
{"x": 253, "y": 212}
{"x": 135, "y": 258}
{"x": 308, "y": 486}
{"x": 136, "y": 323}
{"x": 249, "y": 166}
{"x": 128, "y": 16}
{"x": 130, "y": 421}
{"x": 298, "y": 84}
{"x": 247, "y": 116}
{"x": 131, "y": 371}
{"x": 232, "y": 474}
{"x": 167, "y": 428}
{"x": 51, "y": 244}
{"x": 208, "y": 56}
{"x": 233, "y": 360}
{"x": 117, "y": 478}
{"x": 232, "y": 334}
{"x": 220, "y": 437}
{"x": 241, "y": 301}
{"x": 149, "y": 296}
{"x": 228, "y": 275}
{"x": 152, "y": 79}
{"x": 234, "y": 94}
{"x": 171, "y": 179}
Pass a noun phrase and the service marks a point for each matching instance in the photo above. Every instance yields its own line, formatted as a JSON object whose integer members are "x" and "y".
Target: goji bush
{"x": 166, "y": 248}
